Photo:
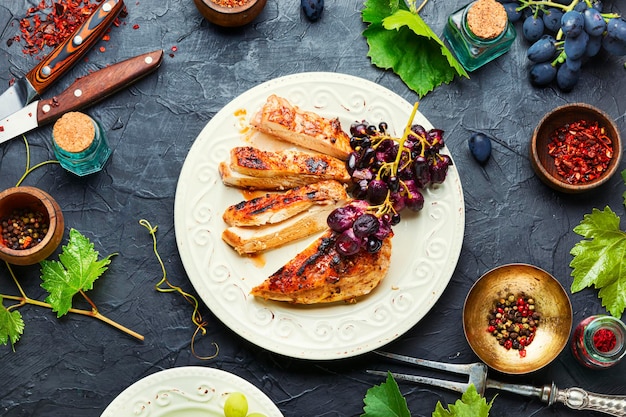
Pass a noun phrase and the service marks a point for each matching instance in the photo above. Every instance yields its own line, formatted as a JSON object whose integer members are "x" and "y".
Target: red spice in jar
{"x": 581, "y": 150}
{"x": 604, "y": 340}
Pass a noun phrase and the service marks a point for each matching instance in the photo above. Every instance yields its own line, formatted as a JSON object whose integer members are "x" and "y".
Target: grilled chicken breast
{"x": 253, "y": 168}
{"x": 279, "y": 118}
{"x": 319, "y": 274}
{"x": 255, "y": 239}
{"x": 277, "y": 207}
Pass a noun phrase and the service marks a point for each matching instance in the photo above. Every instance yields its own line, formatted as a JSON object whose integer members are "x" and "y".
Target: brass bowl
{"x": 543, "y": 163}
{"x": 230, "y": 16}
{"x": 551, "y": 302}
{"x": 32, "y": 198}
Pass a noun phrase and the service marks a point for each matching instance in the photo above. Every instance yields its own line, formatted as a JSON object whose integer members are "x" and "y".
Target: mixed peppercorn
{"x": 581, "y": 150}
{"x": 513, "y": 321}
{"x": 23, "y": 229}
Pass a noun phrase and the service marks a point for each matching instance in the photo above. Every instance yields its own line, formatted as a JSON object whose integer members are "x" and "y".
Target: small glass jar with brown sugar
{"x": 479, "y": 33}
{"x": 80, "y": 144}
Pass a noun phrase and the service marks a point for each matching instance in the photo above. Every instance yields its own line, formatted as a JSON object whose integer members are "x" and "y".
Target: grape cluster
{"x": 388, "y": 175}
{"x": 564, "y": 34}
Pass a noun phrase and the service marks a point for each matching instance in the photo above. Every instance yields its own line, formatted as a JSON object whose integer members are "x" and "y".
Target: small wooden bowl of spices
{"x": 230, "y": 13}
{"x": 517, "y": 318}
{"x": 31, "y": 225}
{"x": 575, "y": 148}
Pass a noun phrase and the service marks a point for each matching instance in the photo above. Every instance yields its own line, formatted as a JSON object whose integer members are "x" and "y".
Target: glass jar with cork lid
{"x": 80, "y": 144}
{"x": 479, "y": 33}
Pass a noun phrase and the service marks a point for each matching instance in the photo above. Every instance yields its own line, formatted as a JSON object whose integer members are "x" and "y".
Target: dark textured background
{"x": 75, "y": 366}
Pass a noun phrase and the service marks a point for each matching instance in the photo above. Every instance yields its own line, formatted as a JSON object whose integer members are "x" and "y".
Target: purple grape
{"x": 373, "y": 244}
{"x": 421, "y": 172}
{"x": 377, "y": 191}
{"x": 414, "y": 201}
{"x": 342, "y": 218}
{"x": 347, "y": 243}
{"x": 435, "y": 139}
{"x": 439, "y": 170}
{"x": 398, "y": 201}
{"x": 358, "y": 130}
{"x": 365, "y": 225}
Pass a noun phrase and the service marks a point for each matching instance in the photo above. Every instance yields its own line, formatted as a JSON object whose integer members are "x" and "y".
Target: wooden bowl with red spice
{"x": 230, "y": 13}
{"x": 575, "y": 148}
{"x": 31, "y": 225}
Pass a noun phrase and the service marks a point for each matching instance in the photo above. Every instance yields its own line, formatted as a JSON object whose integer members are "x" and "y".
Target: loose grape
{"x": 480, "y": 147}
{"x": 236, "y": 405}
{"x": 312, "y": 9}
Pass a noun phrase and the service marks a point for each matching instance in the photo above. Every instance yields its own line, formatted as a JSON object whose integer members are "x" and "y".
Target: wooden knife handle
{"x": 98, "y": 85}
{"x": 66, "y": 54}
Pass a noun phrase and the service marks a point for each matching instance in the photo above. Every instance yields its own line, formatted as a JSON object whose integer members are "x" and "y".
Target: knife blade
{"x": 62, "y": 58}
{"x": 83, "y": 92}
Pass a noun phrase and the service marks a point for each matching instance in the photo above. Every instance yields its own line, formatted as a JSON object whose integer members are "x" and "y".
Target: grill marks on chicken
{"x": 278, "y": 117}
{"x": 275, "y": 219}
{"x": 319, "y": 274}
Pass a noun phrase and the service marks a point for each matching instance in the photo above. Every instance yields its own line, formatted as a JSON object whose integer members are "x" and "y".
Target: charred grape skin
{"x": 366, "y": 224}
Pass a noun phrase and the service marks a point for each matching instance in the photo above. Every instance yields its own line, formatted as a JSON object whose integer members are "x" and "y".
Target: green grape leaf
{"x": 385, "y": 400}
{"x": 77, "y": 270}
{"x": 400, "y": 40}
{"x": 471, "y": 404}
{"x": 600, "y": 259}
{"x": 11, "y": 325}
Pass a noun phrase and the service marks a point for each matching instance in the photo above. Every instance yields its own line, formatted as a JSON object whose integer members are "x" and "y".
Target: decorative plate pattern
{"x": 190, "y": 391}
{"x": 426, "y": 245}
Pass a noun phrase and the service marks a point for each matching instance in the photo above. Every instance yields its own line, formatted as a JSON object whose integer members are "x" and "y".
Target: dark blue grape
{"x": 480, "y": 147}
{"x": 616, "y": 28}
{"x": 312, "y": 9}
{"x": 365, "y": 225}
{"x": 377, "y": 191}
{"x": 543, "y": 50}
{"x": 581, "y": 7}
{"x": 343, "y": 218}
{"x": 532, "y": 28}
{"x": 597, "y": 4}
{"x": 572, "y": 23}
{"x": 614, "y": 46}
{"x": 593, "y": 46}
{"x": 567, "y": 79}
{"x": 542, "y": 74}
{"x": 573, "y": 64}
{"x": 373, "y": 244}
{"x": 594, "y": 22}
{"x": 552, "y": 19}
{"x": 511, "y": 11}
{"x": 575, "y": 46}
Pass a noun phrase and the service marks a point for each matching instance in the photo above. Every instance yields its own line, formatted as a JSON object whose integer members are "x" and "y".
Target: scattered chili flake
{"x": 513, "y": 321}
{"x": 174, "y": 48}
{"x": 106, "y": 38}
{"x": 604, "y": 340}
{"x": 581, "y": 150}
{"x": 1, "y": 128}
{"x": 102, "y": 49}
{"x": 135, "y": 26}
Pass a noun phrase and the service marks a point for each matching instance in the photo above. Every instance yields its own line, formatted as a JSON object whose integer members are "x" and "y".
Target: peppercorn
{"x": 516, "y": 320}
{"x": 23, "y": 229}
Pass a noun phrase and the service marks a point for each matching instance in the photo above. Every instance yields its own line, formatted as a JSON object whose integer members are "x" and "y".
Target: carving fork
{"x": 575, "y": 398}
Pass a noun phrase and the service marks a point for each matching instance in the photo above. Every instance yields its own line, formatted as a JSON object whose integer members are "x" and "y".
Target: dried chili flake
{"x": 49, "y": 24}
{"x": 135, "y": 26}
{"x": 581, "y": 150}
{"x": 230, "y": 3}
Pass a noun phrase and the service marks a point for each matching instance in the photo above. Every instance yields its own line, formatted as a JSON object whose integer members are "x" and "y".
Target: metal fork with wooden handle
{"x": 575, "y": 398}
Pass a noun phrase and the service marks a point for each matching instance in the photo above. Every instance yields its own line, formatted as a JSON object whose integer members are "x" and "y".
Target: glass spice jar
{"x": 479, "y": 33}
{"x": 80, "y": 144}
{"x": 599, "y": 341}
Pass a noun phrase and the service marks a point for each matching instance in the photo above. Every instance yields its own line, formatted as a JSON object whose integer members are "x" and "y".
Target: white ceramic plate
{"x": 426, "y": 246}
{"x": 189, "y": 391}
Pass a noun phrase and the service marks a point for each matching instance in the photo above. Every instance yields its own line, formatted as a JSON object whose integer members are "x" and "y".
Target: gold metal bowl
{"x": 551, "y": 302}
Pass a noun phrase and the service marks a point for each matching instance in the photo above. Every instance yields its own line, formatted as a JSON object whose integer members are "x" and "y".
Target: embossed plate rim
{"x": 171, "y": 391}
{"x": 223, "y": 279}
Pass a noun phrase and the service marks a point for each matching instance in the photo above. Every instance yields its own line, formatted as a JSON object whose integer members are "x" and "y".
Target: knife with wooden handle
{"x": 63, "y": 57}
{"x": 85, "y": 91}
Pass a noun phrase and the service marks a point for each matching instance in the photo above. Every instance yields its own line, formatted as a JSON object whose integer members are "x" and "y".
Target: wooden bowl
{"x": 543, "y": 163}
{"x": 230, "y": 16}
{"x": 32, "y": 198}
{"x": 551, "y": 302}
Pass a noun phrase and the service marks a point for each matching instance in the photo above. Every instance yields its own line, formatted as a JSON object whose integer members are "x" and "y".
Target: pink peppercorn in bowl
{"x": 31, "y": 225}
{"x": 575, "y": 148}
{"x": 230, "y": 13}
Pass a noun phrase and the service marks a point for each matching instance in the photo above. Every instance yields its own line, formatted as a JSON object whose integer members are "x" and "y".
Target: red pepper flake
{"x": 102, "y": 49}
{"x": 174, "y": 48}
{"x": 604, "y": 340}
{"x": 106, "y": 38}
{"x": 1, "y": 128}
{"x": 581, "y": 150}
{"x": 48, "y": 25}
{"x": 135, "y": 26}
{"x": 230, "y": 3}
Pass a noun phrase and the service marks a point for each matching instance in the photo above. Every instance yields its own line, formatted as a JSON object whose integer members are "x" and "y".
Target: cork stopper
{"x": 74, "y": 132}
{"x": 487, "y": 19}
